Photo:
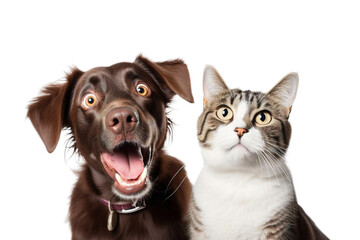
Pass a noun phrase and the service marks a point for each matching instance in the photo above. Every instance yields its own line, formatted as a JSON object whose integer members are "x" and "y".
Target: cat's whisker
{"x": 275, "y": 145}
{"x": 271, "y": 163}
{"x": 268, "y": 163}
{"x": 280, "y": 164}
{"x": 269, "y": 159}
{"x": 273, "y": 149}
{"x": 279, "y": 152}
{"x": 262, "y": 157}
{"x": 285, "y": 171}
{"x": 259, "y": 160}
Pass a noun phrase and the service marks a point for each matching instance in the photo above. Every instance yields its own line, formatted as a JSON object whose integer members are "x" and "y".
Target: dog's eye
{"x": 89, "y": 100}
{"x": 142, "y": 89}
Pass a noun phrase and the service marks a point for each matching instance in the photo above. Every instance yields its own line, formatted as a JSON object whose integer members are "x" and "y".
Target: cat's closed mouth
{"x": 238, "y": 146}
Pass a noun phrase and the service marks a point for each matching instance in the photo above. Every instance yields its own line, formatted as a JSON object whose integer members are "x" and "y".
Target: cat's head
{"x": 242, "y": 129}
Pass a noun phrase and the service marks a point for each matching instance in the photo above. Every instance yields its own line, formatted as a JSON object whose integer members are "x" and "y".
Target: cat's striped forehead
{"x": 235, "y": 96}
{"x": 256, "y": 101}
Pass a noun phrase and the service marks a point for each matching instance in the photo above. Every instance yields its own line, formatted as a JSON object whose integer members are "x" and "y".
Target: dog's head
{"x": 117, "y": 118}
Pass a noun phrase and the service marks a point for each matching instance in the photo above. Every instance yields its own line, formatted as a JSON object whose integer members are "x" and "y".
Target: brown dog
{"x": 128, "y": 188}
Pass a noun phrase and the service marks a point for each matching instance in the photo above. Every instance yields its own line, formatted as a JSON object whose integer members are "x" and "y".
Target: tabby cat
{"x": 245, "y": 189}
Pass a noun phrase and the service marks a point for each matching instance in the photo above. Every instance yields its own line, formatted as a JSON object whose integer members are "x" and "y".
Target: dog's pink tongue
{"x": 128, "y": 164}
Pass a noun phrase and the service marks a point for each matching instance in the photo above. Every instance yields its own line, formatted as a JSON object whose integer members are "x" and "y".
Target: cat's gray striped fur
{"x": 245, "y": 189}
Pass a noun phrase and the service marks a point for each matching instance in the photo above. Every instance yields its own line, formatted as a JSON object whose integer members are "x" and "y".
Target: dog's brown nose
{"x": 121, "y": 120}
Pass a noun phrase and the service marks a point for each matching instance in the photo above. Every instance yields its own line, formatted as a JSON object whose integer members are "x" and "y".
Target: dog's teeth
{"x": 143, "y": 174}
{"x": 118, "y": 178}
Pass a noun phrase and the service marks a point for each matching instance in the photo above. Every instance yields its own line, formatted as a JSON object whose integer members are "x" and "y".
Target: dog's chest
{"x": 153, "y": 223}
{"x": 234, "y": 207}
{"x": 141, "y": 225}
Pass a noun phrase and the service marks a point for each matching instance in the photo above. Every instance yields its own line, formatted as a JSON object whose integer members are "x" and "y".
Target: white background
{"x": 253, "y": 44}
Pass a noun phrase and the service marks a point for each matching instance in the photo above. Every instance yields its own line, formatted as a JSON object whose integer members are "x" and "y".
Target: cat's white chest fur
{"x": 236, "y": 205}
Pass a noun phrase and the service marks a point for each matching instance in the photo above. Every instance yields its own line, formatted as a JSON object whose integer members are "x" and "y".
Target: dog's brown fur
{"x": 60, "y": 107}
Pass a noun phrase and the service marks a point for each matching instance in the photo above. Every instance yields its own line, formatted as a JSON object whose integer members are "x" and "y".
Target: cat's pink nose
{"x": 240, "y": 131}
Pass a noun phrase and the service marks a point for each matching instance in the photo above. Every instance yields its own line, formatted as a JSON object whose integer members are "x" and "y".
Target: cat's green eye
{"x": 224, "y": 113}
{"x": 263, "y": 118}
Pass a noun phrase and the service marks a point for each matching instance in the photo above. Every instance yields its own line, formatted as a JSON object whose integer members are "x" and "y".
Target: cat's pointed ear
{"x": 212, "y": 84}
{"x": 285, "y": 91}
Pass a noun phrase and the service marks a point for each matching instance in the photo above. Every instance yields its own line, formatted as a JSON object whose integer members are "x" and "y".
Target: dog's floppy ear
{"x": 48, "y": 111}
{"x": 174, "y": 74}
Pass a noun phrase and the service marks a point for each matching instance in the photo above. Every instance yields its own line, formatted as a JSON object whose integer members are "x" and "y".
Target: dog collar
{"x": 124, "y": 207}
{"x": 121, "y": 208}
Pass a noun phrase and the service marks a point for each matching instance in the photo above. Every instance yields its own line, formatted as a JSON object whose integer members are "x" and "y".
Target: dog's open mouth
{"x": 128, "y": 166}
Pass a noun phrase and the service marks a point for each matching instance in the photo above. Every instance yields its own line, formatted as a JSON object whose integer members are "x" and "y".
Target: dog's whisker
{"x": 182, "y": 181}
{"x": 167, "y": 187}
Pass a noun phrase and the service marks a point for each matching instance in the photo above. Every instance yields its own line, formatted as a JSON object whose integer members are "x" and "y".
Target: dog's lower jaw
{"x": 136, "y": 196}
{"x": 105, "y": 187}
